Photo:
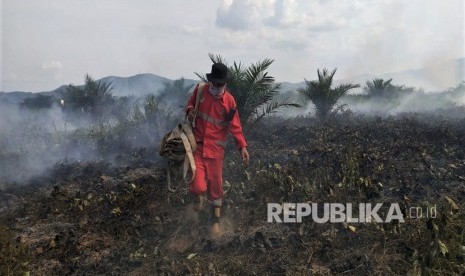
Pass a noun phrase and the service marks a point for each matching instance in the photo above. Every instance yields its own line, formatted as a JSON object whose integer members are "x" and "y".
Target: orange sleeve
{"x": 235, "y": 128}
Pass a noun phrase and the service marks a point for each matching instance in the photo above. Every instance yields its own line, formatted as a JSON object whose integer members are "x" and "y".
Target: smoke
{"x": 398, "y": 101}
{"x": 415, "y": 101}
{"x": 34, "y": 140}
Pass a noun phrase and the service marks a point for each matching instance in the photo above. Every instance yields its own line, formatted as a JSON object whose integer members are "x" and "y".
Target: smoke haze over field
{"x": 34, "y": 140}
{"x": 47, "y": 44}
{"x": 401, "y": 99}
{"x": 415, "y": 102}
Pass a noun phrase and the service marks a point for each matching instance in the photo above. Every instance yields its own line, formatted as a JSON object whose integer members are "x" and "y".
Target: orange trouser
{"x": 208, "y": 178}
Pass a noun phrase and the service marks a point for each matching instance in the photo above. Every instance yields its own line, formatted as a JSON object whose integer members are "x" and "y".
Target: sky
{"x": 45, "y": 44}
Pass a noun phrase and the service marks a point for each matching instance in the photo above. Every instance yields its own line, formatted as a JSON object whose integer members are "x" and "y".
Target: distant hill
{"x": 138, "y": 85}
{"x": 437, "y": 77}
{"x": 14, "y": 97}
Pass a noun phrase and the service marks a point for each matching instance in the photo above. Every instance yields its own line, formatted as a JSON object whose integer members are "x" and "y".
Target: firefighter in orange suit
{"x": 216, "y": 116}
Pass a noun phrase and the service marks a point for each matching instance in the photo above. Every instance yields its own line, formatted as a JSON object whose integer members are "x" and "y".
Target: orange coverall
{"x": 215, "y": 118}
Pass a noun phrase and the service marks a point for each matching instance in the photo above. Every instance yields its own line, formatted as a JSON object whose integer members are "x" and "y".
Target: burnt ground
{"x": 99, "y": 218}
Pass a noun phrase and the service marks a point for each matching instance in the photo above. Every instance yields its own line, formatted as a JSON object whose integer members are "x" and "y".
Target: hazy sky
{"x": 45, "y": 44}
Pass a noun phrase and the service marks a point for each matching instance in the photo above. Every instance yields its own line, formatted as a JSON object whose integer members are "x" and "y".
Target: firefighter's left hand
{"x": 245, "y": 155}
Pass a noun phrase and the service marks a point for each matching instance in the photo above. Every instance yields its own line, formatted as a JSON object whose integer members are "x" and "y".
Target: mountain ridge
{"x": 430, "y": 78}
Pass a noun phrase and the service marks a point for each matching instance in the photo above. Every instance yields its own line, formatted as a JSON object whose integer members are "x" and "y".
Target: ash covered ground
{"x": 119, "y": 218}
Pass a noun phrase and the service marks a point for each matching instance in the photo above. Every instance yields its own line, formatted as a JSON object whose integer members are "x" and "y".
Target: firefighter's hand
{"x": 245, "y": 155}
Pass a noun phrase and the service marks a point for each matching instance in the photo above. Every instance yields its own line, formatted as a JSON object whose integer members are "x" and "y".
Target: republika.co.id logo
{"x": 339, "y": 212}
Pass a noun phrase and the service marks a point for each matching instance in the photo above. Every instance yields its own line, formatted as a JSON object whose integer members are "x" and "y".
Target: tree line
{"x": 256, "y": 92}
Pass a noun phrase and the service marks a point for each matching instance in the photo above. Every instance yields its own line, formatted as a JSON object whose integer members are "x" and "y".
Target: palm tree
{"x": 253, "y": 89}
{"x": 322, "y": 95}
{"x": 151, "y": 108}
{"x": 378, "y": 87}
{"x": 92, "y": 98}
{"x": 175, "y": 92}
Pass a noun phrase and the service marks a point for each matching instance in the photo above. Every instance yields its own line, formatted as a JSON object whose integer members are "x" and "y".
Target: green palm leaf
{"x": 322, "y": 95}
{"x": 253, "y": 89}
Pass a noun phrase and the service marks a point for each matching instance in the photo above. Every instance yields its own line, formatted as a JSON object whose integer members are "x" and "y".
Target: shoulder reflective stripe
{"x": 212, "y": 120}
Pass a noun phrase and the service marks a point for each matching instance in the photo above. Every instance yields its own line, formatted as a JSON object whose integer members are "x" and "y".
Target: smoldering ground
{"x": 397, "y": 100}
{"x": 403, "y": 100}
{"x": 34, "y": 140}
{"x": 98, "y": 218}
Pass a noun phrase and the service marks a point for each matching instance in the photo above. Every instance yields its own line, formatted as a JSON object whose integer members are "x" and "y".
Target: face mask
{"x": 216, "y": 91}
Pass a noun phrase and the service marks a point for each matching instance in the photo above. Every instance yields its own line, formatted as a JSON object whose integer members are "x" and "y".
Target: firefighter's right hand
{"x": 245, "y": 155}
